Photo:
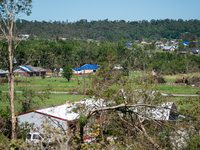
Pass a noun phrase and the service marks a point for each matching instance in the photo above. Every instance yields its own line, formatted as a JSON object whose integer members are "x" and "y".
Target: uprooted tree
{"x": 9, "y": 11}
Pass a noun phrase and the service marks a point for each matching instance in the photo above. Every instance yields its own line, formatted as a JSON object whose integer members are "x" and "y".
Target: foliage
{"x": 189, "y": 37}
{"x": 112, "y": 31}
{"x": 192, "y": 44}
{"x": 31, "y": 98}
{"x": 56, "y": 55}
{"x": 67, "y": 72}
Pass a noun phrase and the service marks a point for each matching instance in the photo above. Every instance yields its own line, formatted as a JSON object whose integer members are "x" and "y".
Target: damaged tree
{"x": 127, "y": 116}
{"x": 10, "y": 10}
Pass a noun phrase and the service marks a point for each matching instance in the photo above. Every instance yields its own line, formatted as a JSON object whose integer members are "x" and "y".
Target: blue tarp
{"x": 185, "y": 42}
{"x": 128, "y": 44}
{"x": 87, "y": 66}
{"x": 28, "y": 68}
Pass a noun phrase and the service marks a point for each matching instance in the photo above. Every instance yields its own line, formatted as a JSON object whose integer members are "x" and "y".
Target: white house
{"x": 60, "y": 116}
{"x": 3, "y": 73}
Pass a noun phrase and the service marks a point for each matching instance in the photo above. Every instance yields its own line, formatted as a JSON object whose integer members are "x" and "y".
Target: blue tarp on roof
{"x": 128, "y": 44}
{"x": 185, "y": 42}
{"x": 28, "y": 68}
{"x": 87, "y": 66}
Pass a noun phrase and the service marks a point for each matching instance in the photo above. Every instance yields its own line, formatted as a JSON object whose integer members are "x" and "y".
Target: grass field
{"x": 61, "y": 85}
{"x": 54, "y": 99}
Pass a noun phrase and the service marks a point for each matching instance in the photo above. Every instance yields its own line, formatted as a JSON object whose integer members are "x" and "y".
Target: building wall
{"x": 88, "y": 71}
{"x": 3, "y": 75}
{"x": 39, "y": 119}
{"x": 21, "y": 74}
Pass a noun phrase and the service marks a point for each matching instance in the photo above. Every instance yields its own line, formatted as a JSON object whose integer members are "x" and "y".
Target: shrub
{"x": 159, "y": 79}
{"x": 150, "y": 79}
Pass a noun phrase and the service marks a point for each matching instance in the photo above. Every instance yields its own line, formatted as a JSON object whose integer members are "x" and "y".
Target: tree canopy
{"x": 112, "y": 30}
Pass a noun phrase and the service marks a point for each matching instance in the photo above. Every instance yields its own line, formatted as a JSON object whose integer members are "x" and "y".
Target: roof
{"x": 195, "y": 50}
{"x": 168, "y": 47}
{"x": 37, "y": 69}
{"x": 18, "y": 70}
{"x": 185, "y": 42}
{"x": 87, "y": 67}
{"x": 128, "y": 44}
{"x": 143, "y": 42}
{"x": 3, "y": 71}
{"x": 64, "y": 111}
{"x": 22, "y": 69}
{"x": 163, "y": 113}
{"x": 61, "y": 112}
{"x": 28, "y": 67}
{"x": 118, "y": 66}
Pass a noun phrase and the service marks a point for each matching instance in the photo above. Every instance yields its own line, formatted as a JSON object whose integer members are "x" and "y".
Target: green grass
{"x": 54, "y": 99}
{"x": 135, "y": 74}
{"x": 56, "y": 84}
{"x": 61, "y": 85}
{"x": 190, "y": 105}
{"x": 174, "y": 89}
{"x": 172, "y": 78}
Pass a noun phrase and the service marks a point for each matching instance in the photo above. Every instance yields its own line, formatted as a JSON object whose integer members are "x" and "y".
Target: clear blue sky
{"x": 128, "y": 10}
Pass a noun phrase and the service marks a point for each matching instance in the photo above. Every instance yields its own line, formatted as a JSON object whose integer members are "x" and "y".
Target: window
{"x": 36, "y": 136}
{"x": 29, "y": 136}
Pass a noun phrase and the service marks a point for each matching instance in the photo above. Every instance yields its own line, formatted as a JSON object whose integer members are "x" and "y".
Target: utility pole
{"x": 84, "y": 82}
{"x": 143, "y": 63}
{"x": 77, "y": 73}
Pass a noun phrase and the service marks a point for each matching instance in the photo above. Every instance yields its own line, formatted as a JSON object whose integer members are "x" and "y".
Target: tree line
{"x": 110, "y": 30}
{"x": 55, "y": 54}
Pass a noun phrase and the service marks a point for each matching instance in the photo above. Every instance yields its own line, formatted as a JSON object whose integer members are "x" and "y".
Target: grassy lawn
{"x": 172, "y": 78}
{"x": 174, "y": 89}
{"x": 54, "y": 99}
{"x": 56, "y": 84}
{"x": 191, "y": 104}
{"x": 62, "y": 85}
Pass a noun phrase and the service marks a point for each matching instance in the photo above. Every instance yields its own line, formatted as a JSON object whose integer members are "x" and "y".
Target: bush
{"x": 159, "y": 79}
{"x": 150, "y": 79}
{"x": 183, "y": 80}
{"x": 194, "y": 80}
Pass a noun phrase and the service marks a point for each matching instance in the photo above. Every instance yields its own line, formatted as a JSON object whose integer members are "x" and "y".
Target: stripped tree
{"x": 10, "y": 10}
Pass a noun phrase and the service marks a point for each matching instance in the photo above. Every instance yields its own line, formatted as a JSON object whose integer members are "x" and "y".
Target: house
{"x": 22, "y": 71}
{"x": 28, "y": 70}
{"x": 143, "y": 42}
{"x": 3, "y": 73}
{"x": 25, "y": 36}
{"x": 88, "y": 69}
{"x": 118, "y": 67}
{"x": 185, "y": 43}
{"x": 60, "y": 116}
{"x": 160, "y": 46}
{"x": 128, "y": 44}
{"x": 169, "y": 48}
{"x": 173, "y": 42}
{"x": 37, "y": 71}
{"x": 159, "y": 43}
{"x": 48, "y": 72}
{"x": 195, "y": 50}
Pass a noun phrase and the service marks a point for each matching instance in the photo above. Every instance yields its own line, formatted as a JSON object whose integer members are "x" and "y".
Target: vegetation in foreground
{"x": 125, "y": 131}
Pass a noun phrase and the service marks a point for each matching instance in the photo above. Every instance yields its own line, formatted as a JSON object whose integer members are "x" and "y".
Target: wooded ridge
{"x": 110, "y": 30}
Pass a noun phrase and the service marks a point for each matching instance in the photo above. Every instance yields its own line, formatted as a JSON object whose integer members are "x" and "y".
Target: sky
{"x": 128, "y": 10}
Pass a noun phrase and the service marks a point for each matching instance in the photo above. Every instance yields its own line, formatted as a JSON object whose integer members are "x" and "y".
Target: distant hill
{"x": 110, "y": 30}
